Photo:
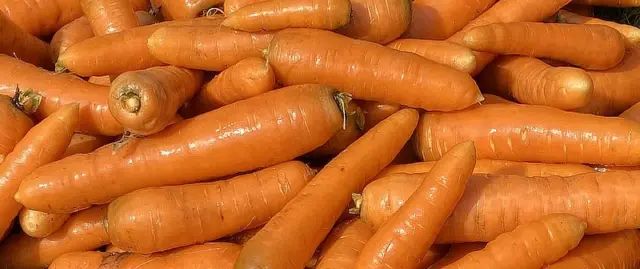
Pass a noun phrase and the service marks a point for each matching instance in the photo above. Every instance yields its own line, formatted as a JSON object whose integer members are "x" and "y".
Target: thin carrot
{"x": 109, "y": 16}
{"x": 439, "y": 20}
{"x": 84, "y": 143}
{"x": 609, "y": 3}
{"x": 530, "y": 246}
{"x": 314, "y": 56}
{"x": 231, "y": 6}
{"x": 379, "y": 21}
{"x": 22, "y": 45}
{"x": 349, "y": 172}
{"x": 443, "y": 52}
{"x": 40, "y": 224}
{"x": 344, "y": 244}
{"x": 41, "y": 18}
{"x": 532, "y": 81}
{"x": 186, "y": 9}
{"x": 633, "y": 113}
{"x": 630, "y": 32}
{"x": 206, "y": 48}
{"x": 353, "y": 129}
{"x": 531, "y": 134}
{"x": 302, "y": 117}
{"x": 375, "y": 112}
{"x": 612, "y": 251}
{"x": 456, "y": 252}
{"x": 281, "y": 14}
{"x": 15, "y": 124}
{"x": 583, "y": 10}
{"x": 84, "y": 231}
{"x": 243, "y": 237}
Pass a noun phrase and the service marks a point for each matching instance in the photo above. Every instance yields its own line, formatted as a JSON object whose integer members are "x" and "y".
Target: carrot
{"x": 231, "y": 6}
{"x": 375, "y": 112}
{"x": 22, "y": 45}
{"x": 630, "y": 32}
{"x": 186, "y": 9}
{"x": 532, "y": 81}
{"x": 583, "y": 10}
{"x": 443, "y": 52}
{"x": 302, "y": 117}
{"x": 609, "y": 3}
{"x": 243, "y": 237}
{"x": 439, "y": 20}
{"x": 494, "y": 99}
{"x": 113, "y": 249}
{"x": 350, "y": 171}
{"x": 40, "y": 224}
{"x": 531, "y": 134}
{"x": 615, "y": 251}
{"x": 281, "y": 14}
{"x": 435, "y": 253}
{"x": 206, "y": 48}
{"x": 411, "y": 231}
{"x": 80, "y": 260}
{"x": 590, "y": 46}
{"x": 344, "y": 245}
{"x": 56, "y": 90}
{"x": 15, "y": 123}
{"x": 144, "y": 102}
{"x": 456, "y": 252}
{"x": 379, "y": 21}
{"x": 84, "y": 143}
{"x": 82, "y": 232}
{"x": 633, "y": 113}
{"x": 314, "y": 56}
{"x": 109, "y": 16}
{"x": 100, "y": 80}
{"x": 531, "y": 245}
{"x": 41, "y": 18}
{"x": 353, "y": 130}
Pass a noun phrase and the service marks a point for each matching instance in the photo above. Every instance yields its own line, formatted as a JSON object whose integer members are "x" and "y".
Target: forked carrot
{"x": 40, "y": 224}
{"x": 632, "y": 33}
{"x": 109, "y": 16}
{"x": 185, "y": 9}
{"x": 15, "y": 123}
{"x": 353, "y": 129}
{"x": 443, "y": 52}
{"x": 22, "y": 45}
{"x": 375, "y": 112}
{"x": 439, "y": 20}
{"x": 344, "y": 244}
{"x": 231, "y": 6}
{"x": 379, "y": 21}
{"x": 615, "y": 251}
{"x": 609, "y": 3}
{"x": 84, "y": 143}
{"x": 456, "y": 252}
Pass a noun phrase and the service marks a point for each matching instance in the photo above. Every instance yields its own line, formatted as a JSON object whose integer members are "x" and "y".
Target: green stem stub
{"x": 28, "y": 100}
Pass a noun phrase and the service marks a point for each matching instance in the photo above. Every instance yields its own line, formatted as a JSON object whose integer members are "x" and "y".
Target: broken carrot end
{"x": 357, "y": 204}
{"x": 28, "y": 100}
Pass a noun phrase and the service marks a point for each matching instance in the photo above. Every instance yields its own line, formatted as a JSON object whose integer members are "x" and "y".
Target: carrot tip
{"x": 60, "y": 68}
{"x": 357, "y": 202}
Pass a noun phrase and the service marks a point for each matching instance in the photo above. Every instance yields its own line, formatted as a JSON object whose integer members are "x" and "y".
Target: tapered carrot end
{"x": 465, "y": 148}
{"x": 466, "y": 63}
{"x": 17, "y": 197}
{"x": 59, "y": 67}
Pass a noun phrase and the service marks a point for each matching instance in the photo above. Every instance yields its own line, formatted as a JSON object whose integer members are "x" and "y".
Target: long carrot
{"x": 84, "y": 231}
{"x": 456, "y": 252}
{"x": 314, "y": 56}
{"x": 281, "y": 14}
{"x": 609, "y": 3}
{"x": 530, "y": 246}
{"x": 342, "y": 247}
{"x": 302, "y": 117}
{"x": 379, "y": 21}
{"x": 146, "y": 101}
{"x": 349, "y": 172}
{"x": 40, "y": 224}
{"x": 15, "y": 124}
{"x": 532, "y": 81}
{"x": 443, "y": 52}
{"x": 439, "y": 20}
{"x": 375, "y": 112}
{"x": 206, "y": 48}
{"x": 353, "y": 129}
{"x": 185, "y": 9}
{"x": 531, "y": 134}
{"x": 630, "y": 32}
{"x": 84, "y": 143}
{"x": 590, "y": 46}
{"x": 411, "y": 230}
{"x": 615, "y": 251}
{"x": 231, "y": 6}
{"x": 109, "y": 16}
{"x": 56, "y": 90}
{"x": 22, "y": 45}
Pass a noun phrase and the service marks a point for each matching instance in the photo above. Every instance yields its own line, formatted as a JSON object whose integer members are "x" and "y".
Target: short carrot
{"x": 532, "y": 81}
{"x": 231, "y": 6}
{"x": 633, "y": 113}
{"x": 302, "y": 117}
{"x": 379, "y": 21}
{"x": 413, "y": 229}
{"x": 280, "y": 14}
{"x": 590, "y": 46}
{"x": 342, "y": 247}
{"x": 456, "y": 252}
{"x": 84, "y": 143}
{"x": 40, "y": 224}
{"x": 609, "y": 3}
{"x": 186, "y": 9}
{"x": 41, "y": 18}
{"x": 531, "y": 134}
{"x": 375, "y": 112}
{"x": 146, "y": 101}
{"x": 530, "y": 246}
{"x": 315, "y": 56}
{"x": 439, "y": 20}
{"x": 613, "y": 251}
{"x": 632, "y": 33}
{"x": 349, "y": 172}
{"x": 443, "y": 52}
{"x": 22, "y": 45}
{"x": 15, "y": 124}
{"x": 109, "y": 16}
{"x": 353, "y": 129}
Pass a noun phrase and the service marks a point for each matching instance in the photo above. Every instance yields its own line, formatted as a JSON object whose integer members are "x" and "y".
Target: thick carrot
{"x": 146, "y": 101}
{"x": 439, "y": 20}
{"x": 206, "y": 48}
{"x": 612, "y": 251}
{"x": 609, "y": 3}
{"x": 379, "y": 21}
{"x": 633, "y": 113}
{"x": 532, "y": 81}
{"x": 281, "y": 14}
{"x": 231, "y": 6}
{"x": 41, "y": 18}
{"x": 15, "y": 124}
{"x": 443, "y": 52}
{"x": 456, "y": 252}
{"x": 413, "y": 229}
{"x": 56, "y": 90}
{"x": 342, "y": 247}
{"x": 590, "y": 46}
{"x": 375, "y": 112}
{"x": 84, "y": 143}
{"x": 40, "y": 224}
{"x": 353, "y": 129}
{"x": 314, "y": 56}
{"x": 302, "y": 117}
{"x": 531, "y": 134}
{"x": 632, "y": 33}
{"x": 22, "y": 45}
{"x": 109, "y": 16}
{"x": 350, "y": 171}
{"x": 186, "y": 9}
{"x": 84, "y": 231}
{"x": 530, "y": 246}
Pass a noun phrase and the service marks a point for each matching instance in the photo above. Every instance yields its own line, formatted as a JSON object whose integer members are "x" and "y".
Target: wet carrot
{"x": 342, "y": 247}
{"x": 456, "y": 252}
{"x": 443, "y": 52}
{"x": 375, "y": 112}
{"x": 632, "y": 33}
{"x": 84, "y": 143}
{"x": 379, "y": 21}
{"x": 439, "y": 20}
{"x": 109, "y": 16}
{"x": 354, "y": 128}
{"x": 22, "y": 45}
{"x": 15, "y": 124}
{"x": 40, "y": 224}
{"x": 185, "y": 9}
{"x": 615, "y": 251}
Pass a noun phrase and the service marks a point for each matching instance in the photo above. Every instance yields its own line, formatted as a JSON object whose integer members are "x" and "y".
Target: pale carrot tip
{"x": 480, "y": 98}
{"x": 17, "y": 197}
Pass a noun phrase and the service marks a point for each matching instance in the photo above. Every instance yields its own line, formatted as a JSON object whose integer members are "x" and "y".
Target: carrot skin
{"x": 442, "y": 52}
{"x": 243, "y": 237}
{"x": 615, "y": 251}
{"x": 633, "y": 113}
{"x": 630, "y": 32}
{"x": 379, "y": 21}
{"x": 15, "y": 125}
{"x": 186, "y": 9}
{"x": 344, "y": 137}
{"x": 41, "y": 18}
{"x": 79, "y": 260}
{"x": 456, "y": 252}
{"x": 109, "y": 16}
{"x": 609, "y": 3}
{"x": 22, "y": 45}
{"x": 231, "y": 6}
{"x": 40, "y": 224}
{"x": 375, "y": 112}
{"x": 344, "y": 244}
{"x": 439, "y": 20}
{"x": 84, "y": 143}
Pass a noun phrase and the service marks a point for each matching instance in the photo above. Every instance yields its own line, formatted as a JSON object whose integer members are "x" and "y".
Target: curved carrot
{"x": 531, "y": 134}
{"x": 439, "y": 20}
{"x": 40, "y": 224}
{"x": 613, "y": 251}
{"x": 456, "y": 252}
{"x": 529, "y": 246}
{"x": 15, "y": 124}
{"x": 532, "y": 81}
{"x": 314, "y": 56}
{"x": 41, "y": 18}
{"x": 231, "y": 6}
{"x": 349, "y": 172}
{"x": 302, "y": 117}
{"x": 609, "y": 3}
{"x": 632, "y": 33}
{"x": 352, "y": 130}
{"x": 186, "y": 9}
{"x": 109, "y": 16}
{"x": 379, "y": 21}
{"x": 206, "y": 48}
{"x": 590, "y": 46}
{"x": 83, "y": 143}
{"x": 22, "y": 45}
{"x": 443, "y": 52}
{"x": 342, "y": 247}
{"x": 281, "y": 14}
{"x": 375, "y": 112}
{"x": 84, "y": 231}
{"x": 633, "y": 113}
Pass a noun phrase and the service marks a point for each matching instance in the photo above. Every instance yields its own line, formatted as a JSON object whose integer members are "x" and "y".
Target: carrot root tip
{"x": 357, "y": 204}
{"x": 28, "y": 100}
{"x": 60, "y": 68}
{"x": 342, "y": 100}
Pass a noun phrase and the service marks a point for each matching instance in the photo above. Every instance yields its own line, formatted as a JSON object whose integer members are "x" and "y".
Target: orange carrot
{"x": 379, "y": 21}
{"x": 84, "y": 143}
{"x": 84, "y": 231}
{"x": 109, "y": 16}
{"x": 412, "y": 230}
{"x": 314, "y": 56}
{"x": 443, "y": 52}
{"x": 206, "y": 48}
{"x": 302, "y": 117}
{"x": 22, "y": 45}
{"x": 40, "y": 224}
{"x": 494, "y": 99}
{"x": 531, "y": 134}
{"x": 435, "y": 253}
{"x": 80, "y": 260}
{"x": 439, "y": 20}
{"x": 281, "y": 14}
{"x": 56, "y": 90}
{"x": 590, "y": 46}
{"x": 613, "y": 251}
{"x": 343, "y": 245}
{"x": 15, "y": 123}
{"x": 633, "y": 113}
{"x": 349, "y": 172}
{"x": 530, "y": 246}
{"x": 630, "y": 32}
{"x": 353, "y": 129}
{"x": 243, "y": 237}
{"x": 41, "y": 18}
{"x": 185, "y": 9}
{"x": 146, "y": 101}
{"x": 113, "y": 249}
{"x": 456, "y": 252}
{"x": 609, "y": 3}
{"x": 375, "y": 112}
{"x": 532, "y": 81}
{"x": 231, "y": 6}
{"x": 100, "y": 80}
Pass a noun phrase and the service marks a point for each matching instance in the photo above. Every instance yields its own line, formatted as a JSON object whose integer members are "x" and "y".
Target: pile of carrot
{"x": 326, "y": 134}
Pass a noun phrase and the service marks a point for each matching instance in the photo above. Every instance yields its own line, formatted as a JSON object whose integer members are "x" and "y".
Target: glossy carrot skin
{"x": 439, "y": 20}
{"x": 531, "y": 134}
{"x": 344, "y": 244}
{"x": 314, "y": 56}
{"x": 630, "y": 32}
{"x": 610, "y": 3}
{"x": 379, "y": 21}
{"x": 350, "y": 171}
{"x": 15, "y": 125}
{"x": 615, "y": 250}
{"x": 83, "y": 143}
{"x": 22, "y": 45}
{"x": 109, "y": 16}
{"x": 231, "y": 6}
{"x": 40, "y": 224}
{"x": 184, "y": 152}
{"x": 456, "y": 252}
{"x": 41, "y": 18}
{"x": 443, "y": 52}
{"x": 185, "y": 9}
{"x": 375, "y": 112}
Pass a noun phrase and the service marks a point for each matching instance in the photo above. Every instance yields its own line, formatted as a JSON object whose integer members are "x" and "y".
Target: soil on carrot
{"x": 629, "y": 16}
